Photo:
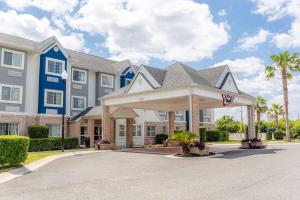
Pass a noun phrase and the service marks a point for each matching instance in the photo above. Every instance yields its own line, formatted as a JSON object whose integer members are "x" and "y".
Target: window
{"x": 150, "y": 131}
{"x": 163, "y": 115}
{"x": 53, "y": 98}
{"x": 127, "y": 81}
{"x": 54, "y": 66}
{"x": 11, "y": 93}
{"x": 121, "y": 130}
{"x": 164, "y": 129}
{"x": 78, "y": 103}
{"x": 12, "y": 59}
{"x": 137, "y": 130}
{"x": 107, "y": 80}
{"x": 206, "y": 115}
{"x": 179, "y": 116}
{"x": 9, "y": 128}
{"x": 79, "y": 76}
{"x": 54, "y": 130}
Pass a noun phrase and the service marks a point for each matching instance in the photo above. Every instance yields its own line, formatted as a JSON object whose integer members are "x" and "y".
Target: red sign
{"x": 227, "y": 99}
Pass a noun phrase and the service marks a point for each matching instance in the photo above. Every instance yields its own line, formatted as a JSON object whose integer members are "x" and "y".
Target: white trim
{"x": 53, "y": 105}
{"x": 80, "y": 70}
{"x": 12, "y": 86}
{"x": 54, "y": 60}
{"x": 127, "y": 79}
{"x": 109, "y": 86}
{"x": 79, "y": 97}
{"x": 55, "y": 124}
{"x": 12, "y": 66}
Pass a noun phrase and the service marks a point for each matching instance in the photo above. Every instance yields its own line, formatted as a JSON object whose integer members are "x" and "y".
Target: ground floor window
{"x": 54, "y": 130}
{"x": 137, "y": 130}
{"x": 121, "y": 130}
{"x": 9, "y": 128}
{"x": 151, "y": 131}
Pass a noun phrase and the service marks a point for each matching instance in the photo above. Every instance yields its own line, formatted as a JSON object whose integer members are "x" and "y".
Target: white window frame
{"x": 79, "y": 97}
{"x": 151, "y": 131}
{"x": 12, "y": 86}
{"x": 80, "y": 70}
{"x": 14, "y": 123}
{"x": 160, "y": 113}
{"x": 127, "y": 81}
{"x": 123, "y": 130}
{"x": 54, "y": 60}
{"x": 179, "y": 114}
{"x": 104, "y": 85}
{"x": 53, "y": 105}
{"x": 135, "y": 130}
{"x": 60, "y": 129}
{"x": 12, "y": 66}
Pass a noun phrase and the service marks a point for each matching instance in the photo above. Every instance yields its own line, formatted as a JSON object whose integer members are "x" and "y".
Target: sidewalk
{"x": 7, "y": 176}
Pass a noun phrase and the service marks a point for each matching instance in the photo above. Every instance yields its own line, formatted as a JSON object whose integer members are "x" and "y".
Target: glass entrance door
{"x": 98, "y": 133}
{"x": 83, "y": 133}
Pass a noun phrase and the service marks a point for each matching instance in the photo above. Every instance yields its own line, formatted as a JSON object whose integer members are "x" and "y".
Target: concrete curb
{"x": 12, "y": 174}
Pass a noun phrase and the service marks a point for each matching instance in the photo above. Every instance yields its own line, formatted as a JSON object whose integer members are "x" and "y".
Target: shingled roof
{"x": 212, "y": 75}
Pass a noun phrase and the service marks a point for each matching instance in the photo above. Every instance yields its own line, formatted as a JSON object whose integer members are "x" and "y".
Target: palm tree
{"x": 185, "y": 139}
{"x": 274, "y": 113}
{"x": 285, "y": 63}
{"x": 261, "y": 107}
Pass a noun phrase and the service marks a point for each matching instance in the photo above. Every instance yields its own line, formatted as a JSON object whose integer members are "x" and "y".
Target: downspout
{"x": 191, "y": 111}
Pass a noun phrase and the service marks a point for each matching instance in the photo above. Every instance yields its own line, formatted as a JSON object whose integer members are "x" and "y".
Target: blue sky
{"x": 240, "y": 33}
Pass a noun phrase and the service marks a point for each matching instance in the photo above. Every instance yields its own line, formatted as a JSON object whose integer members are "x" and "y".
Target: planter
{"x": 170, "y": 143}
{"x": 106, "y": 146}
{"x": 245, "y": 145}
{"x": 196, "y": 150}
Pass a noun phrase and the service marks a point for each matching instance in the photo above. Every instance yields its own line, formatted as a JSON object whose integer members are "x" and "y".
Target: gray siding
{"x": 12, "y": 76}
{"x": 79, "y": 89}
{"x": 102, "y": 91}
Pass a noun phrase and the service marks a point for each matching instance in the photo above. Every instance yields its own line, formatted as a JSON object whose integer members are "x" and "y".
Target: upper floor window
{"x": 179, "y": 116}
{"x": 54, "y": 67}
{"x": 11, "y": 93}
{"x": 12, "y": 59}
{"x": 53, "y": 98}
{"x": 163, "y": 115}
{"x": 54, "y": 130}
{"x": 9, "y": 128}
{"x": 107, "y": 80}
{"x": 79, "y": 76}
{"x": 127, "y": 81}
{"x": 78, "y": 103}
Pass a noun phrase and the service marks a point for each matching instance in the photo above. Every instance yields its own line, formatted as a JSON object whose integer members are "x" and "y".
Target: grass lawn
{"x": 225, "y": 142}
{"x": 32, "y": 156}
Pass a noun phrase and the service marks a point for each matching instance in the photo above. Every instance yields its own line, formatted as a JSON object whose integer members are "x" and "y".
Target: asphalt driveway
{"x": 237, "y": 174}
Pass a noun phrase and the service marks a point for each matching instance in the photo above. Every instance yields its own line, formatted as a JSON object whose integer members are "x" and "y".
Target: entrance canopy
{"x": 181, "y": 88}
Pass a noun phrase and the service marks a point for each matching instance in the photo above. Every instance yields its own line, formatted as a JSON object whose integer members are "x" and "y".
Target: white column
{"x": 251, "y": 121}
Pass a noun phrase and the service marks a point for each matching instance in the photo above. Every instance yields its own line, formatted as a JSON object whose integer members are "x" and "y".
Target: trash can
{"x": 87, "y": 142}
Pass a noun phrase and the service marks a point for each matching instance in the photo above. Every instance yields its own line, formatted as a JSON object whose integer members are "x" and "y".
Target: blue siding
{"x": 44, "y": 84}
{"x": 127, "y": 74}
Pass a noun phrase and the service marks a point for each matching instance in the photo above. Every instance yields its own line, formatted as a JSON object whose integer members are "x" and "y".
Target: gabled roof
{"x": 213, "y": 75}
{"x": 156, "y": 73}
{"x": 88, "y": 61}
{"x": 18, "y": 42}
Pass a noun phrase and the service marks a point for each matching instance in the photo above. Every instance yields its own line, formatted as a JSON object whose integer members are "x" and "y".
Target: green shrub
{"x": 295, "y": 132}
{"x": 279, "y": 135}
{"x": 53, "y": 143}
{"x": 202, "y": 131}
{"x": 160, "y": 138}
{"x": 226, "y": 123}
{"x": 217, "y": 135}
{"x": 13, "y": 150}
{"x": 269, "y": 135}
{"x": 38, "y": 131}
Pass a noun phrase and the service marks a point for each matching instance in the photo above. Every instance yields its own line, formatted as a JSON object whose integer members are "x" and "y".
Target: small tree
{"x": 273, "y": 113}
{"x": 261, "y": 107}
{"x": 185, "y": 139}
{"x": 226, "y": 123}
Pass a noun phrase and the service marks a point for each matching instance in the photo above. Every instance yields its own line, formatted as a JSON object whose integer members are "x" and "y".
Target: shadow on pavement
{"x": 244, "y": 153}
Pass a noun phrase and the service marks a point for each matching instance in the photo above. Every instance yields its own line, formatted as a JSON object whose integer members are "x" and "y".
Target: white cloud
{"x": 290, "y": 39}
{"x": 276, "y": 9}
{"x": 56, "y": 6}
{"x": 252, "y": 42}
{"x": 222, "y": 13}
{"x": 244, "y": 67}
{"x": 140, "y": 30}
{"x": 250, "y": 77}
{"x": 28, "y": 26}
